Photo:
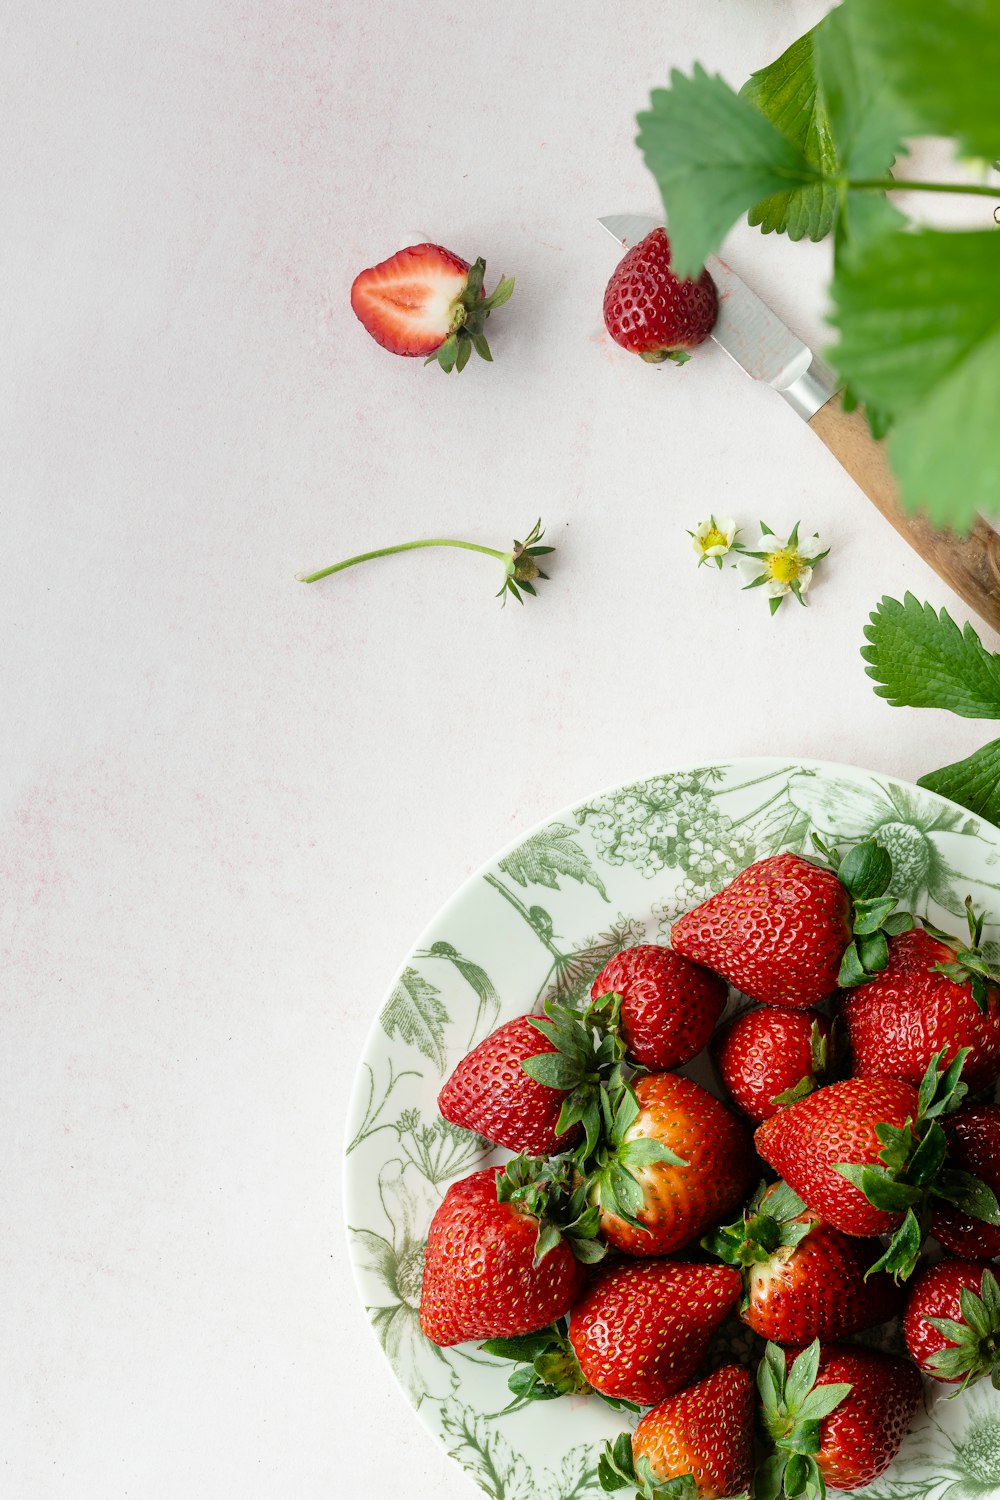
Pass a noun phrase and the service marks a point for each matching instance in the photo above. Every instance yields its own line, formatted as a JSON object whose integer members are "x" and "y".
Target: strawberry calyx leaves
{"x": 970, "y": 965}
{"x": 521, "y": 568}
{"x": 617, "y": 1164}
{"x": 770, "y": 1224}
{"x": 468, "y": 315}
{"x": 822, "y": 1051}
{"x": 865, "y": 872}
{"x": 586, "y": 1064}
{"x": 793, "y": 1407}
{"x": 546, "y": 1368}
{"x": 618, "y": 1469}
{"x": 553, "y": 1190}
{"x": 911, "y": 1169}
{"x": 974, "y": 1348}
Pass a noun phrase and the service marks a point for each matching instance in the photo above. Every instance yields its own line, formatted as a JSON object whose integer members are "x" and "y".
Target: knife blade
{"x": 754, "y": 336}
{"x": 748, "y": 330}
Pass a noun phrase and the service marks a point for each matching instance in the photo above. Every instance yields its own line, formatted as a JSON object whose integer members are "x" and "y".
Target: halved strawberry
{"x": 425, "y": 300}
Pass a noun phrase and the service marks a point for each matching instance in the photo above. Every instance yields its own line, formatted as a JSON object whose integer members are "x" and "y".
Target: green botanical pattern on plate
{"x": 646, "y": 852}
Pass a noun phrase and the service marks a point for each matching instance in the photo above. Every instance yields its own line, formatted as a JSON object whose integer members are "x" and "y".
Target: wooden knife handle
{"x": 969, "y": 564}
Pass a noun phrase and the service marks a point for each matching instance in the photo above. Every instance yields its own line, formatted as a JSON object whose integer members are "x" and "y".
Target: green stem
{"x": 437, "y": 541}
{"x": 891, "y": 185}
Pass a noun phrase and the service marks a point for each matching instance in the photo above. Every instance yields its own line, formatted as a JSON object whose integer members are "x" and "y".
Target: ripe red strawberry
{"x": 921, "y": 1002}
{"x": 426, "y": 301}
{"x": 787, "y": 931}
{"x": 639, "y": 1333}
{"x": 650, "y": 312}
{"x": 642, "y": 1328}
{"x": 491, "y": 1093}
{"x": 665, "y": 1009}
{"x": 864, "y": 1402}
{"x": 803, "y": 1279}
{"x": 973, "y": 1134}
{"x": 480, "y": 1277}
{"x": 673, "y": 1166}
{"x": 769, "y": 1057}
{"x": 704, "y": 1435}
{"x": 952, "y": 1322}
{"x": 805, "y": 1142}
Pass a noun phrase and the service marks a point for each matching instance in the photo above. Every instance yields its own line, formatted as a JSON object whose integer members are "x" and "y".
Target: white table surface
{"x": 230, "y": 802}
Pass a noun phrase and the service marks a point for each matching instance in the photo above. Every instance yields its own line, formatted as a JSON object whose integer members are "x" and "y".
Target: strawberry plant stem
{"x": 892, "y": 185}
{"x": 438, "y": 541}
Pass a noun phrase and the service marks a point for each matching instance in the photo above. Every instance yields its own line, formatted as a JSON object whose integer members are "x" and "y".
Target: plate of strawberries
{"x": 674, "y": 1153}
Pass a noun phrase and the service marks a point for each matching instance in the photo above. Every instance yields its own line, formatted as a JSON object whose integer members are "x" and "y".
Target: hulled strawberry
{"x": 663, "y": 1006}
{"x": 788, "y": 931}
{"x": 424, "y": 300}
{"x": 973, "y": 1134}
{"x": 933, "y": 994}
{"x": 492, "y": 1093}
{"x": 493, "y": 1269}
{"x": 952, "y": 1322}
{"x": 675, "y": 1162}
{"x": 639, "y": 1332}
{"x": 802, "y": 1278}
{"x": 769, "y": 1057}
{"x": 650, "y": 311}
{"x": 862, "y": 1401}
{"x": 697, "y": 1445}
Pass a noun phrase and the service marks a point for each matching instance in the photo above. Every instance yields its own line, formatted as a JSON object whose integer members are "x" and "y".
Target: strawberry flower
{"x": 712, "y": 539}
{"x": 781, "y": 565}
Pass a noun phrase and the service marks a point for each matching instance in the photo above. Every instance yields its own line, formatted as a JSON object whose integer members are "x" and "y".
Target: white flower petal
{"x": 750, "y": 568}
{"x": 774, "y": 588}
{"x": 804, "y": 579}
{"x": 810, "y": 548}
{"x": 772, "y": 544}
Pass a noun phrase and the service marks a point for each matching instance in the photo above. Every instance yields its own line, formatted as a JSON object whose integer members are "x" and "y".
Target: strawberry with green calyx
{"x": 533, "y": 1085}
{"x": 802, "y": 1278}
{"x": 973, "y": 1134}
{"x": 838, "y": 1416}
{"x": 697, "y": 1445}
{"x": 520, "y": 564}
{"x": 789, "y": 931}
{"x": 952, "y": 1322}
{"x": 490, "y": 1269}
{"x": 424, "y": 300}
{"x": 770, "y": 1056}
{"x": 869, "y": 1155}
{"x": 662, "y": 1006}
{"x": 673, "y": 1162}
{"x": 555, "y": 1193}
{"x": 639, "y": 1333}
{"x": 933, "y": 994}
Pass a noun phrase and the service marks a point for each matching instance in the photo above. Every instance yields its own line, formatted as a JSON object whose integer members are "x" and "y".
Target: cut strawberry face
{"x": 426, "y": 301}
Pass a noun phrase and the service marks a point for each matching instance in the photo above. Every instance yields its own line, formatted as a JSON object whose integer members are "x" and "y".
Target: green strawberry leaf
{"x": 900, "y": 1258}
{"x": 828, "y": 96}
{"x": 922, "y": 659}
{"x": 943, "y": 58}
{"x": 713, "y": 156}
{"x": 552, "y": 1069}
{"x": 919, "y": 322}
{"x": 787, "y": 92}
{"x": 973, "y": 1196}
{"x": 866, "y": 870}
{"x": 973, "y": 783}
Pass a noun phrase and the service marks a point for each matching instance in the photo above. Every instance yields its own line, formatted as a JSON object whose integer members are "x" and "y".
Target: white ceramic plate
{"x": 541, "y": 919}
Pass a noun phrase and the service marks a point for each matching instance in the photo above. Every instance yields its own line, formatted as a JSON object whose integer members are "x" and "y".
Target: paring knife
{"x": 756, "y": 338}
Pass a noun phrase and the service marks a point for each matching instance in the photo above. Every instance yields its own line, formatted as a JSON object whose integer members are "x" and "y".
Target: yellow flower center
{"x": 784, "y": 566}
{"x": 714, "y": 538}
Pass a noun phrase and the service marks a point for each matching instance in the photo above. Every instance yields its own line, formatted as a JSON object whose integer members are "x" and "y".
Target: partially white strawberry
{"x": 426, "y": 301}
